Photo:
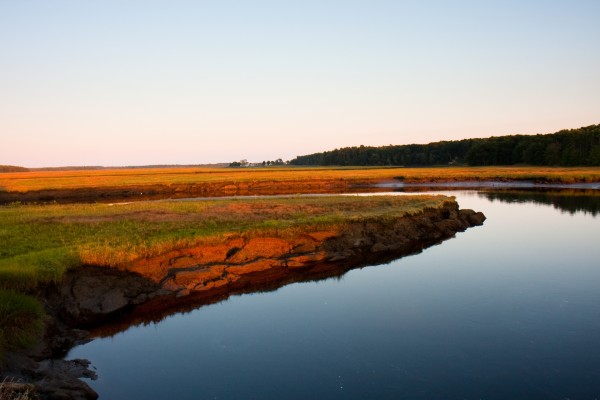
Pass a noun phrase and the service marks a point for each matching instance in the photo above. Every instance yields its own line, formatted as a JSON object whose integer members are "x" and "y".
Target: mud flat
{"x": 162, "y": 191}
{"x": 95, "y": 301}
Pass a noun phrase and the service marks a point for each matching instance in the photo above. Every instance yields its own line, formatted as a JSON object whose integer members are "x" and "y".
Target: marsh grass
{"x": 21, "y": 320}
{"x": 38, "y": 243}
{"x": 12, "y": 389}
{"x": 522, "y": 173}
{"x": 61, "y": 180}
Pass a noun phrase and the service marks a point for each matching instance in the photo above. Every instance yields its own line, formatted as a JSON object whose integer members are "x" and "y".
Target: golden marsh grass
{"x": 64, "y": 180}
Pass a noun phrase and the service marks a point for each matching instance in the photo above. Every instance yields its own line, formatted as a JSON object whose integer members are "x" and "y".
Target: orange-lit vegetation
{"x": 534, "y": 174}
{"x": 38, "y": 243}
{"x": 64, "y": 180}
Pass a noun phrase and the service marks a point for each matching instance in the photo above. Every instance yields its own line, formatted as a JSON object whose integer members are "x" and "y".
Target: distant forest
{"x": 12, "y": 168}
{"x": 572, "y": 147}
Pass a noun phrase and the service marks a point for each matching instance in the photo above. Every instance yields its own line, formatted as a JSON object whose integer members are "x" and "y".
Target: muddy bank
{"x": 173, "y": 190}
{"x": 98, "y": 301}
{"x": 89, "y": 295}
{"x": 270, "y": 188}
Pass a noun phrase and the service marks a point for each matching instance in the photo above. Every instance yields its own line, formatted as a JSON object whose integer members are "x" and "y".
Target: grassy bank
{"x": 38, "y": 243}
{"x": 21, "y": 319}
{"x": 65, "y": 180}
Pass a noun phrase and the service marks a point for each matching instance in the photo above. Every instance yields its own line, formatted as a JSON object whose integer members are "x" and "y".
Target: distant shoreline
{"x": 136, "y": 184}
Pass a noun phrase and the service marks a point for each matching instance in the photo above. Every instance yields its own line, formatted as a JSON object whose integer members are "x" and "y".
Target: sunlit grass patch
{"x": 38, "y": 243}
{"x": 140, "y": 177}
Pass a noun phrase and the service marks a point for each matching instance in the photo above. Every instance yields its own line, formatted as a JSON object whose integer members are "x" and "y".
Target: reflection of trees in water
{"x": 569, "y": 200}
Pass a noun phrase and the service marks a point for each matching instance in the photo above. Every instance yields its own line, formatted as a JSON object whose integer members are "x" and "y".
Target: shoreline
{"x": 287, "y": 188}
{"x": 99, "y": 297}
{"x": 147, "y": 184}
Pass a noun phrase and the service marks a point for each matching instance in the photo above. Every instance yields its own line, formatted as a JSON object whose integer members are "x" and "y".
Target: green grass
{"x": 38, "y": 243}
{"x": 21, "y": 320}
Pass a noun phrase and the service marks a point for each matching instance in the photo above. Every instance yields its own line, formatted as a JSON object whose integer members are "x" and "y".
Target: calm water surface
{"x": 509, "y": 310}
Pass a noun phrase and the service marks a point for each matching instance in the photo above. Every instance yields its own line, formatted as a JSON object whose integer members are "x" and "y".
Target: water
{"x": 509, "y": 310}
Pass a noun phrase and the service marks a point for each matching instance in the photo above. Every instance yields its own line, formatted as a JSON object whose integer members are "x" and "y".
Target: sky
{"x": 144, "y": 82}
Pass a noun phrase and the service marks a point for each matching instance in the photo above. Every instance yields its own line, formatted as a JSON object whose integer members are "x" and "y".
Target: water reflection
{"x": 571, "y": 201}
{"x": 510, "y": 310}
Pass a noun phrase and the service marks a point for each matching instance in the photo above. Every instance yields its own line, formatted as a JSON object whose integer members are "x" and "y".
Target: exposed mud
{"x": 270, "y": 188}
{"x": 177, "y": 191}
{"x": 98, "y": 301}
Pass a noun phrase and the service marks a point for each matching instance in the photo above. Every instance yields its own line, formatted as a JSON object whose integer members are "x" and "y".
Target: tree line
{"x": 12, "y": 168}
{"x": 572, "y": 147}
{"x": 245, "y": 163}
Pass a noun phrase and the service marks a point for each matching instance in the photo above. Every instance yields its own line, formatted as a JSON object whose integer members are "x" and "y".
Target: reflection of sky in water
{"x": 507, "y": 310}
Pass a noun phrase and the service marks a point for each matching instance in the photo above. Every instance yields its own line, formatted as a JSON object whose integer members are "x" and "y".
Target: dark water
{"x": 509, "y": 310}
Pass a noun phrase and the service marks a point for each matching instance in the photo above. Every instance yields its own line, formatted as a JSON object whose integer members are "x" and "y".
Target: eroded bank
{"x": 98, "y": 301}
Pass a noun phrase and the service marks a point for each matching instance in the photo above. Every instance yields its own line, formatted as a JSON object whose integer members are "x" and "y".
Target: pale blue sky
{"x": 178, "y": 82}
